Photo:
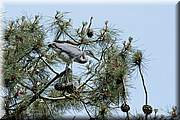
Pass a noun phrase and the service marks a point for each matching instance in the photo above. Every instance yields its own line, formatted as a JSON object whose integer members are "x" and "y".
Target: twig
{"x": 127, "y": 115}
{"x": 78, "y": 43}
{"x": 25, "y": 55}
{"x": 90, "y": 22}
{"x": 58, "y": 35}
{"x": 27, "y": 87}
{"x": 105, "y": 30}
{"x": 68, "y": 41}
{"x": 70, "y": 36}
{"x": 31, "y": 99}
{"x": 86, "y": 108}
{"x": 146, "y": 116}
{"x": 146, "y": 98}
{"x": 102, "y": 54}
{"x": 143, "y": 84}
{"x": 124, "y": 90}
{"x": 48, "y": 66}
{"x": 85, "y": 82}
{"x": 56, "y": 77}
{"x": 54, "y": 99}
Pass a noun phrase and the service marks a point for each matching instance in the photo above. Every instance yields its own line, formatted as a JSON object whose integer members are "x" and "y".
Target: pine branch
{"x": 31, "y": 99}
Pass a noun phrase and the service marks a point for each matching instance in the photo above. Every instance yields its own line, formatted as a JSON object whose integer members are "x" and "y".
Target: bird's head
{"x": 89, "y": 53}
{"x": 54, "y": 46}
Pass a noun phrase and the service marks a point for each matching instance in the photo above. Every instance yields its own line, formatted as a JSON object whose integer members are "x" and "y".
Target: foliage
{"x": 32, "y": 69}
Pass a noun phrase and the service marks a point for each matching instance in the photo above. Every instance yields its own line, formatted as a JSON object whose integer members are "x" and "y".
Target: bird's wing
{"x": 71, "y": 50}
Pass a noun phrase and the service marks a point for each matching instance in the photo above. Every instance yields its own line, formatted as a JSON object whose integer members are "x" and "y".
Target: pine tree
{"x": 40, "y": 86}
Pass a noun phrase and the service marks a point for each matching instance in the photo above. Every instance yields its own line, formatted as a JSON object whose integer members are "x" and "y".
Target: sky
{"x": 153, "y": 27}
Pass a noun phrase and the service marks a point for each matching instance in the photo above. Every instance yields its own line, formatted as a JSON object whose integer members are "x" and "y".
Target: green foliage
{"x": 31, "y": 68}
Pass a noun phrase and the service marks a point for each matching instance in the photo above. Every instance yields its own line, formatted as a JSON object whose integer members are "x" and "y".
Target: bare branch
{"x": 143, "y": 81}
{"x": 86, "y": 108}
{"x": 55, "y": 99}
{"x": 69, "y": 41}
{"x": 48, "y": 66}
{"x": 70, "y": 37}
{"x": 55, "y": 78}
{"x": 90, "y": 22}
{"x": 86, "y": 81}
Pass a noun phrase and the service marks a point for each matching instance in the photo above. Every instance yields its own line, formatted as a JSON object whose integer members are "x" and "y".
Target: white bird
{"x": 70, "y": 53}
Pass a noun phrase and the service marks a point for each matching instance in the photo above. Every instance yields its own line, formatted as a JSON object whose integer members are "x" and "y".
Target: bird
{"x": 70, "y": 53}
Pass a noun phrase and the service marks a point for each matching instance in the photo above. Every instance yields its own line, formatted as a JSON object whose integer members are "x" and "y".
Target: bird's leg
{"x": 66, "y": 78}
{"x": 71, "y": 66}
{"x": 67, "y": 72}
{"x": 67, "y": 65}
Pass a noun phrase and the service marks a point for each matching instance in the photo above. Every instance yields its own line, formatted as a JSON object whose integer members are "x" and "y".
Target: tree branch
{"x": 56, "y": 77}
{"x": 54, "y": 99}
{"x": 27, "y": 87}
{"x": 146, "y": 94}
{"x": 48, "y": 66}
{"x": 70, "y": 36}
{"x": 86, "y": 108}
{"x": 25, "y": 55}
{"x": 31, "y": 99}
{"x": 85, "y": 82}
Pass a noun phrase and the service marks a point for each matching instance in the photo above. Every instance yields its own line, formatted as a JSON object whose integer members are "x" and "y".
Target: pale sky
{"x": 153, "y": 27}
